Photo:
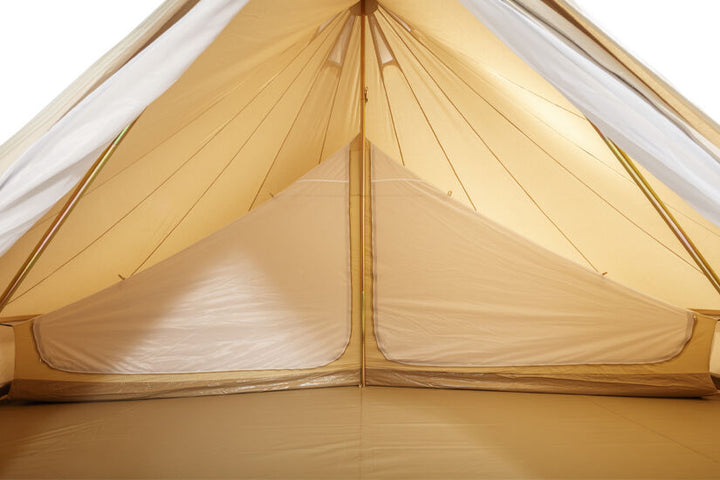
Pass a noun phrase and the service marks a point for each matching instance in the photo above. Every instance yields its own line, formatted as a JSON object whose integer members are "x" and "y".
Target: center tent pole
{"x": 364, "y": 189}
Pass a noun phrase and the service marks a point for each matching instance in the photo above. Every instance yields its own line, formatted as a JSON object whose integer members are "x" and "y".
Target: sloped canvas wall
{"x": 270, "y": 291}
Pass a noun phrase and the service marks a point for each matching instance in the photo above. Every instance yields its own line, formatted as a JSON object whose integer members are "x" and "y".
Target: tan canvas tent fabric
{"x": 393, "y": 193}
{"x": 242, "y": 284}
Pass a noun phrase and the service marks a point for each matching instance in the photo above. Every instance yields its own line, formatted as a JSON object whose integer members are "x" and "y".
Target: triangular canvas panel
{"x": 269, "y": 291}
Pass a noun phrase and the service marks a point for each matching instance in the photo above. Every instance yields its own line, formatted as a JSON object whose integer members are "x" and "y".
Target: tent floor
{"x": 369, "y": 433}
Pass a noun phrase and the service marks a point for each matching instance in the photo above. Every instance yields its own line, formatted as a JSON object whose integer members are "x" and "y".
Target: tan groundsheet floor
{"x": 369, "y": 433}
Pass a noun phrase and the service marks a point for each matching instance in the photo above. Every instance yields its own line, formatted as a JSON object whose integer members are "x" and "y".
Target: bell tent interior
{"x": 472, "y": 198}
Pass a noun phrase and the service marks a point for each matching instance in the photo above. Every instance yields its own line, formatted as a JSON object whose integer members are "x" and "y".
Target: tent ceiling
{"x": 279, "y": 91}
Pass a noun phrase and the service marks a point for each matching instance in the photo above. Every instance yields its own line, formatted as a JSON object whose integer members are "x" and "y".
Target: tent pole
{"x": 364, "y": 186}
{"x": 662, "y": 209}
{"x": 47, "y": 237}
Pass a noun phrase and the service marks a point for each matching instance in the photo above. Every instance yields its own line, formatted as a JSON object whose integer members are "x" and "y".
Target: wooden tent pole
{"x": 662, "y": 209}
{"x": 40, "y": 247}
{"x": 363, "y": 185}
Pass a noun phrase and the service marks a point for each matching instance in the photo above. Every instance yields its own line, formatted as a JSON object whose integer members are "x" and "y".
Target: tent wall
{"x": 35, "y": 380}
{"x": 269, "y": 291}
{"x": 218, "y": 307}
{"x": 683, "y": 376}
{"x": 460, "y": 301}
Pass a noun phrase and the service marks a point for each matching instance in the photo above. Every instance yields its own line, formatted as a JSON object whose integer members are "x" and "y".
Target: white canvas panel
{"x": 620, "y": 112}
{"x": 269, "y": 291}
{"x": 54, "y": 164}
{"x": 452, "y": 288}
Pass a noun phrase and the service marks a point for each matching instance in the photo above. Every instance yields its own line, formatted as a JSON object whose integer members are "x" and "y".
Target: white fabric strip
{"x": 623, "y": 115}
{"x": 269, "y": 291}
{"x": 53, "y": 164}
{"x": 453, "y": 288}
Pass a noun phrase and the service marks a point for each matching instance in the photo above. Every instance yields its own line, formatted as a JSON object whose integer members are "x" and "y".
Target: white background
{"x": 678, "y": 39}
{"x": 46, "y": 44}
